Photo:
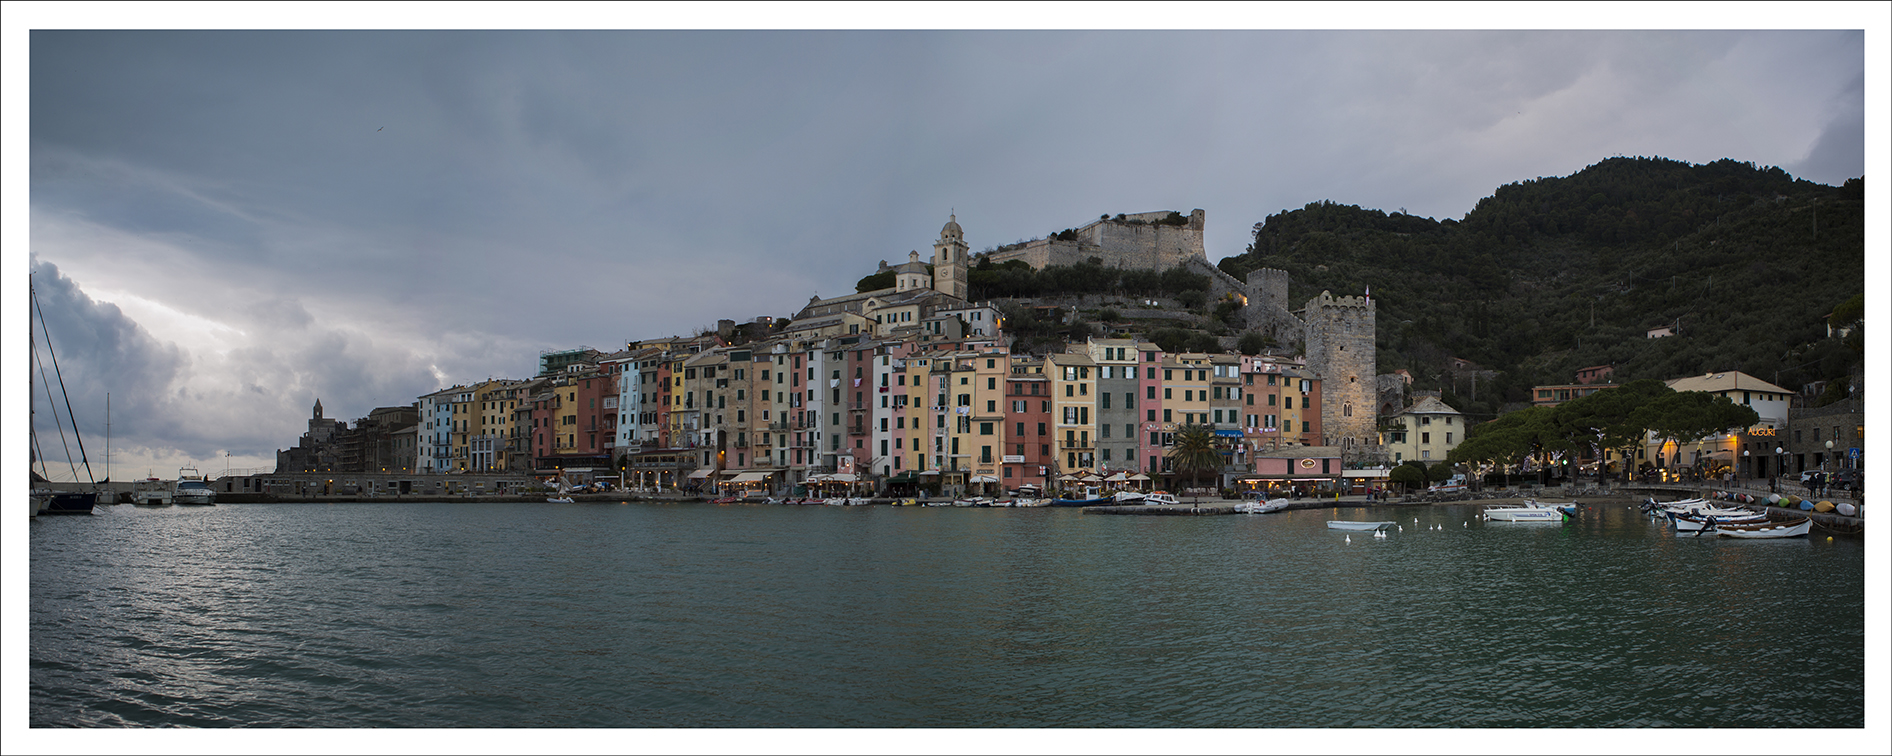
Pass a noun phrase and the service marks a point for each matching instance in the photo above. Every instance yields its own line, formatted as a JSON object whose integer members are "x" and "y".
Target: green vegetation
{"x": 1195, "y": 454}
{"x": 1551, "y": 275}
{"x": 1015, "y": 279}
{"x": 881, "y": 280}
{"x": 1615, "y": 418}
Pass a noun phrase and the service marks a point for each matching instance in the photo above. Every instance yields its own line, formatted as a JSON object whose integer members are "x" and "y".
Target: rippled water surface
{"x": 693, "y": 615}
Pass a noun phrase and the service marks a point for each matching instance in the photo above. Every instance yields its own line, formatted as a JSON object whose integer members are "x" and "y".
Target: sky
{"x": 224, "y": 226}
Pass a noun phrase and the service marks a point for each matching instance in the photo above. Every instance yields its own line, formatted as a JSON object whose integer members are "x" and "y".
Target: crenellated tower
{"x": 1339, "y": 337}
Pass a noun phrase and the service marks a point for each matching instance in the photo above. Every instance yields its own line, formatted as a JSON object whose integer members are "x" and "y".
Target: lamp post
{"x": 1779, "y": 463}
{"x": 1747, "y": 465}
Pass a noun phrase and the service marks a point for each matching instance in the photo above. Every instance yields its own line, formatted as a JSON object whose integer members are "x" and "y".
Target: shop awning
{"x": 700, "y": 474}
{"x": 842, "y": 478}
{"x": 903, "y": 478}
{"x": 750, "y": 477}
{"x": 1226, "y": 432}
{"x": 984, "y": 479}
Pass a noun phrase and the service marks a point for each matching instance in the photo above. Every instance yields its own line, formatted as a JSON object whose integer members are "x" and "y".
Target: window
{"x": 1104, "y": 399}
{"x": 985, "y": 429}
{"x": 1129, "y": 400}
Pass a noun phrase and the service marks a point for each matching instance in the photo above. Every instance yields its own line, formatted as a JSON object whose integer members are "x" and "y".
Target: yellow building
{"x": 1073, "y": 412}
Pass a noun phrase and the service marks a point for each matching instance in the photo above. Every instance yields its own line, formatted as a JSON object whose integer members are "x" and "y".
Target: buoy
{"x": 1829, "y": 538}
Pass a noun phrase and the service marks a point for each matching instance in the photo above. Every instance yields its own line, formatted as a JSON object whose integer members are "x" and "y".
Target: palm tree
{"x": 1194, "y": 452}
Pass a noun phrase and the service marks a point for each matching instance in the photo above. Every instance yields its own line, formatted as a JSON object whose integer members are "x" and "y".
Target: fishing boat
{"x": 192, "y": 489}
{"x": 1358, "y": 525}
{"x": 1685, "y": 523}
{"x": 46, "y": 500}
{"x": 1783, "y": 529}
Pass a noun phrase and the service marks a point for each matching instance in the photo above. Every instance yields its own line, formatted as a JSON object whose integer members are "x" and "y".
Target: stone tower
{"x": 949, "y": 260}
{"x": 1341, "y": 350}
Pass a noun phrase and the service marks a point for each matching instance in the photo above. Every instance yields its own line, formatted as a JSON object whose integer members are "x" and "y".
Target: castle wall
{"x": 1120, "y": 244}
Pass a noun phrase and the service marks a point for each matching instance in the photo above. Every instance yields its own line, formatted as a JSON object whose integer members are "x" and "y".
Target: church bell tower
{"x": 949, "y": 260}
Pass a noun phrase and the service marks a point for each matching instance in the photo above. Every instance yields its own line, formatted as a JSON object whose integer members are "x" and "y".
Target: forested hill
{"x": 1550, "y": 275}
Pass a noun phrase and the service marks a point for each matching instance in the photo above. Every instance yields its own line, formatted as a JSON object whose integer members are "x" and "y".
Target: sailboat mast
{"x": 33, "y": 296}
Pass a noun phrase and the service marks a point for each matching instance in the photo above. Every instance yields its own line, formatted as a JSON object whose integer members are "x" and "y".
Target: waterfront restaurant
{"x": 1307, "y": 469}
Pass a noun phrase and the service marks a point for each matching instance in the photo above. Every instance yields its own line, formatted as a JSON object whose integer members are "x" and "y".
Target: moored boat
{"x": 1358, "y": 525}
{"x": 1783, "y": 529}
{"x": 1097, "y": 502}
{"x": 150, "y": 492}
{"x": 1531, "y": 511}
{"x": 192, "y": 489}
{"x": 1263, "y": 507}
{"x": 69, "y": 502}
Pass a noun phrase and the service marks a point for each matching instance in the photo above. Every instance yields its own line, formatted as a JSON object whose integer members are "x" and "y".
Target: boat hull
{"x": 1083, "y": 502}
{"x": 70, "y": 502}
{"x": 1787, "y": 529}
{"x": 1355, "y": 525}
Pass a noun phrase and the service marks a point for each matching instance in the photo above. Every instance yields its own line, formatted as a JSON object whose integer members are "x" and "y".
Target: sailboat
{"x": 46, "y": 500}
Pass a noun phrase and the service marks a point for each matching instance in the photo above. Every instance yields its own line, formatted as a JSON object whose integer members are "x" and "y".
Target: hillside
{"x": 1554, "y": 274}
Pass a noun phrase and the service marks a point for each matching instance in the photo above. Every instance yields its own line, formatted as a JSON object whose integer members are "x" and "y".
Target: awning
{"x": 984, "y": 479}
{"x": 902, "y": 478}
{"x": 1139, "y": 476}
{"x": 750, "y": 477}
{"x": 929, "y": 472}
{"x": 1224, "y": 432}
{"x": 700, "y": 474}
{"x": 1067, "y": 476}
{"x": 842, "y": 478}
{"x": 1118, "y": 478}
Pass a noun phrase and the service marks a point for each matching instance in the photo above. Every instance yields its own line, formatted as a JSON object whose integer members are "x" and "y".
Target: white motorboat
{"x": 560, "y": 500}
{"x": 1159, "y": 499}
{"x": 1531, "y": 511}
{"x": 1358, "y": 525}
{"x": 150, "y": 492}
{"x": 1130, "y": 497}
{"x": 1263, "y": 507}
{"x": 192, "y": 489}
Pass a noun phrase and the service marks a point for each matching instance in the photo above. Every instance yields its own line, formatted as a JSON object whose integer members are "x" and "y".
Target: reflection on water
{"x": 514, "y": 615}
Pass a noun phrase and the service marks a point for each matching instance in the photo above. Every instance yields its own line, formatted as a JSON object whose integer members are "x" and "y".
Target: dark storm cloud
{"x": 368, "y": 216}
{"x": 95, "y": 350}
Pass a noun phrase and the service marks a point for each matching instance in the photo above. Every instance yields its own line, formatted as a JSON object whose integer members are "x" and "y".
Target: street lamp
{"x": 1779, "y": 467}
